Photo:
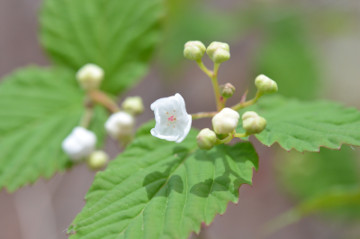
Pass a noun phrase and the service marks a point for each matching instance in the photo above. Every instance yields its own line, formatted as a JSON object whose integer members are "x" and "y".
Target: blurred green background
{"x": 310, "y": 47}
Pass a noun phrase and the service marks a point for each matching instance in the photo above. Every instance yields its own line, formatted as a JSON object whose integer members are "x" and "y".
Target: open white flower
{"x": 79, "y": 144}
{"x": 173, "y": 123}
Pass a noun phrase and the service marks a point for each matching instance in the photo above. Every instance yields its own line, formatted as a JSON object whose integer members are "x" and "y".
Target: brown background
{"x": 44, "y": 210}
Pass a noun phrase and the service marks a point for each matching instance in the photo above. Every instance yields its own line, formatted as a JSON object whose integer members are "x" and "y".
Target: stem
{"x": 225, "y": 141}
{"x": 86, "y": 119}
{"x": 242, "y": 105}
{"x": 241, "y": 135}
{"x": 88, "y": 114}
{"x": 203, "y": 115}
{"x": 220, "y": 104}
{"x": 103, "y": 99}
{"x": 214, "y": 81}
{"x": 208, "y": 72}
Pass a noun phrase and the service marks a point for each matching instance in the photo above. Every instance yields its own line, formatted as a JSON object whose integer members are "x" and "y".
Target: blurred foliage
{"x": 192, "y": 20}
{"x": 286, "y": 56}
{"x": 119, "y": 36}
{"x": 38, "y": 109}
{"x": 325, "y": 182}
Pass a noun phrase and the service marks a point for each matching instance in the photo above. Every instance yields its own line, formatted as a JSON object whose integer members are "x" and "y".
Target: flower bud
{"x": 225, "y": 121}
{"x": 90, "y": 76}
{"x": 227, "y": 90}
{"x": 206, "y": 139}
{"x": 133, "y": 105}
{"x": 79, "y": 144}
{"x": 265, "y": 85}
{"x": 120, "y": 125}
{"x": 97, "y": 160}
{"x": 218, "y": 52}
{"x": 253, "y": 123}
{"x": 194, "y": 50}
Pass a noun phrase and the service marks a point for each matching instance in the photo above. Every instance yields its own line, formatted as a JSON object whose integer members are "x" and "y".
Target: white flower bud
{"x": 97, "y": 160}
{"x": 206, "y": 139}
{"x": 253, "y": 123}
{"x": 120, "y": 125}
{"x": 133, "y": 105}
{"x": 194, "y": 50}
{"x": 79, "y": 144}
{"x": 265, "y": 85}
{"x": 90, "y": 76}
{"x": 218, "y": 52}
{"x": 225, "y": 121}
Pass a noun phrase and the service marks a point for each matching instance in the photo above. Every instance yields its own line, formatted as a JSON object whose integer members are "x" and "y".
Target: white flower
{"x": 119, "y": 125}
{"x": 225, "y": 121}
{"x": 79, "y": 144}
{"x": 173, "y": 123}
{"x": 90, "y": 76}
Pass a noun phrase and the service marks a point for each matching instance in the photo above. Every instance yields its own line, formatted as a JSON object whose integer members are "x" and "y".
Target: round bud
{"x": 97, "y": 160}
{"x": 79, "y": 144}
{"x": 194, "y": 50}
{"x": 133, "y": 105}
{"x": 218, "y": 52}
{"x": 90, "y": 76}
{"x": 225, "y": 121}
{"x": 253, "y": 123}
{"x": 206, "y": 139}
{"x": 265, "y": 85}
{"x": 227, "y": 90}
{"x": 120, "y": 125}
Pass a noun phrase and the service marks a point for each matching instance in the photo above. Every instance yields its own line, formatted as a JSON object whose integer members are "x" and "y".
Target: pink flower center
{"x": 171, "y": 118}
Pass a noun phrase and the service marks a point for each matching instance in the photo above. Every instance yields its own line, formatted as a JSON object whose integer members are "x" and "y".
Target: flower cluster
{"x": 173, "y": 123}
{"x": 80, "y": 144}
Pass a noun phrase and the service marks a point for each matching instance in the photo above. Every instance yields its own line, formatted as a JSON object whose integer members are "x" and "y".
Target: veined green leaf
{"x": 307, "y": 126}
{"x": 118, "y": 35}
{"x": 38, "y": 109}
{"x": 158, "y": 189}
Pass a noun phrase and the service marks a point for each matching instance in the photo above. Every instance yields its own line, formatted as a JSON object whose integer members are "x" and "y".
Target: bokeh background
{"x": 310, "y": 47}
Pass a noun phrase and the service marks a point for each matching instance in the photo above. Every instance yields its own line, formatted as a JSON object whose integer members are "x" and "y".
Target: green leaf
{"x": 38, "y": 109}
{"x": 117, "y": 35}
{"x": 307, "y": 126}
{"x": 158, "y": 189}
